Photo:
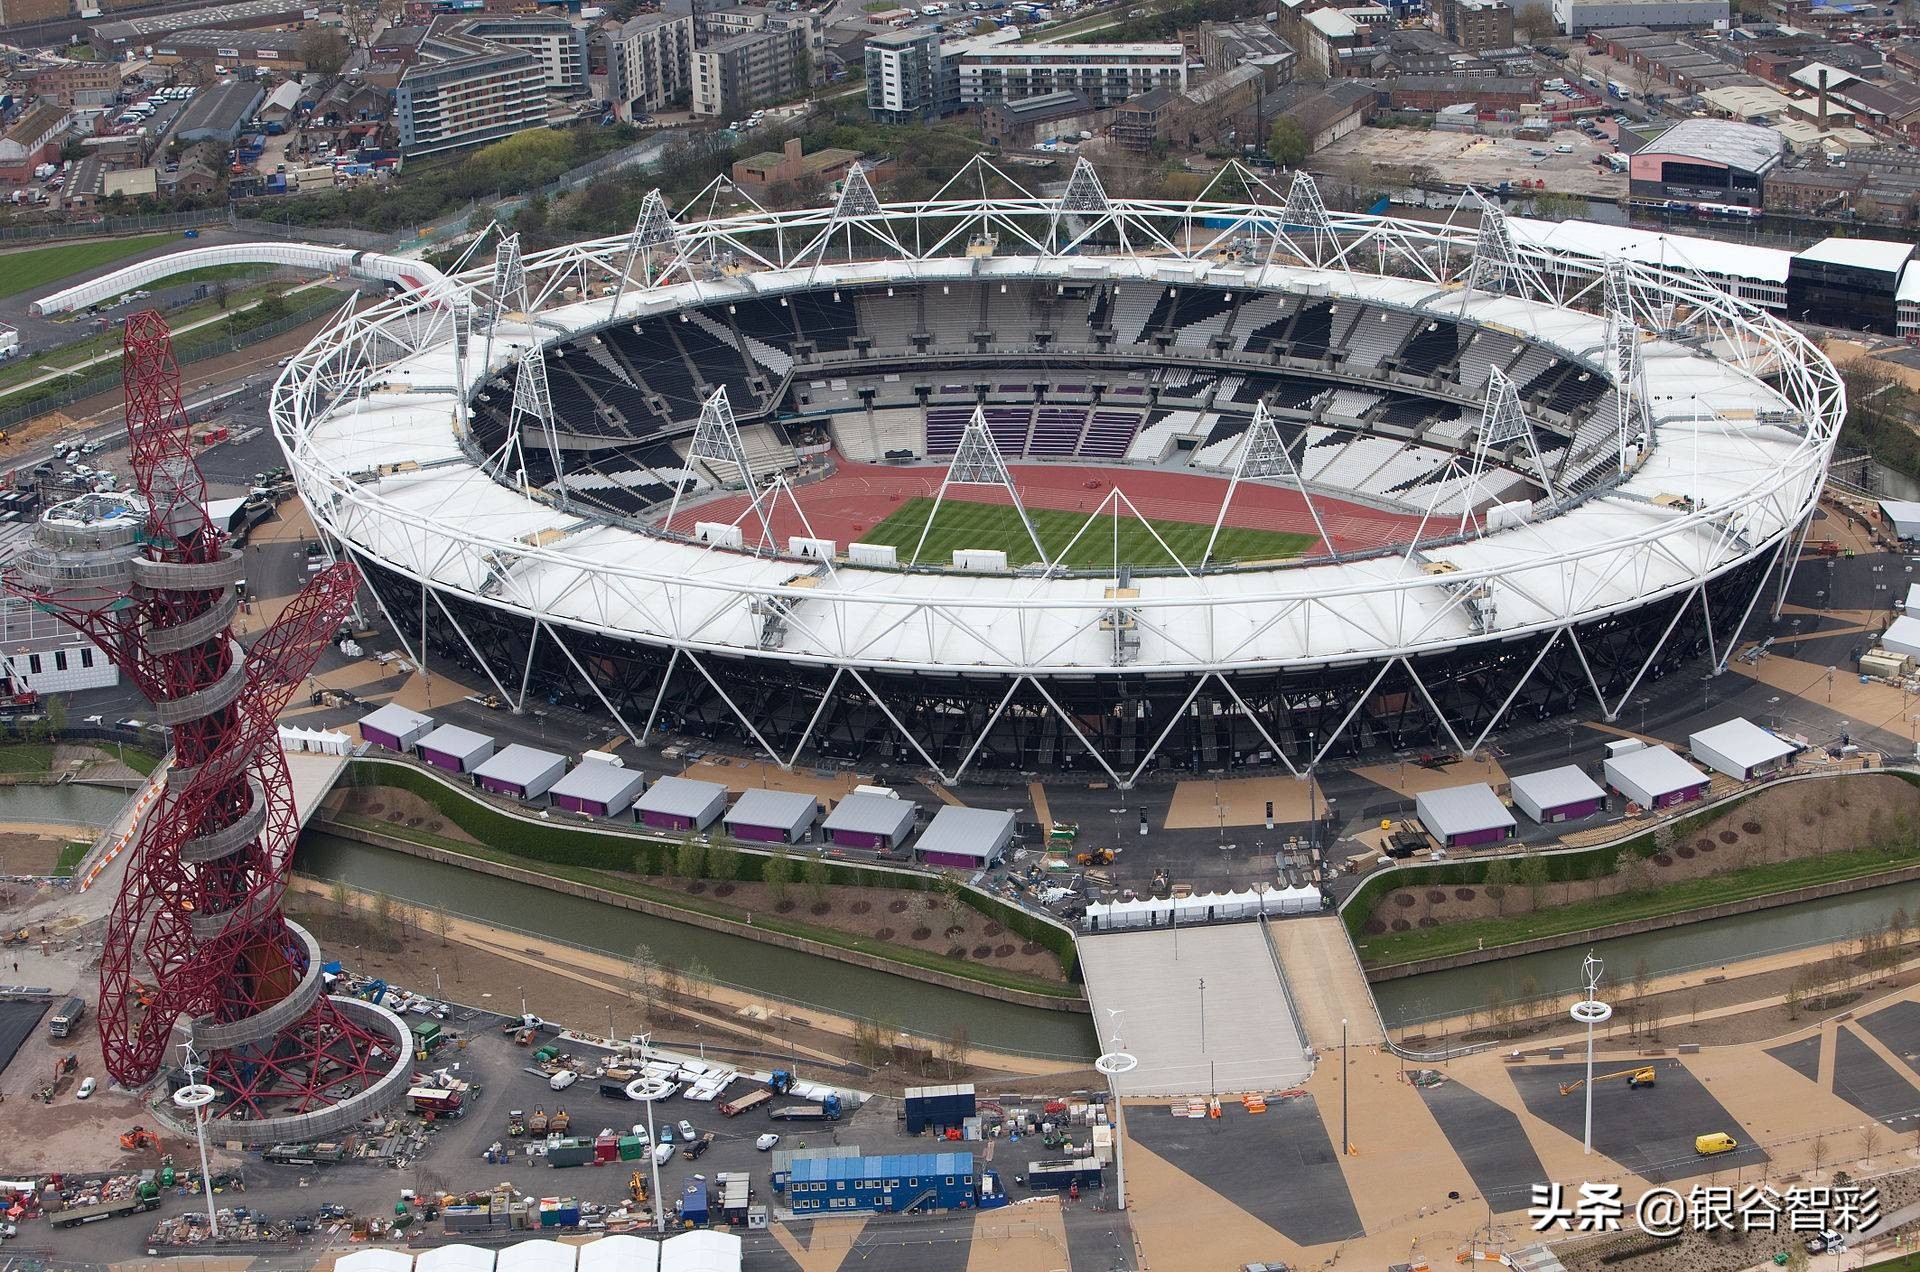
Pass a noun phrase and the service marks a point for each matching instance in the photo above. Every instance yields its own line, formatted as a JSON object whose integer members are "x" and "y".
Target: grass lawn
{"x": 137, "y": 760}
{"x": 976, "y": 525}
{"x": 70, "y": 857}
{"x": 36, "y": 267}
{"x": 1579, "y": 916}
{"x": 26, "y": 757}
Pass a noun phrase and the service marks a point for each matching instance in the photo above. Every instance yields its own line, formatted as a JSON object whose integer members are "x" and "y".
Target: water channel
{"x": 789, "y": 975}
{"x": 1709, "y": 943}
{"x": 72, "y": 803}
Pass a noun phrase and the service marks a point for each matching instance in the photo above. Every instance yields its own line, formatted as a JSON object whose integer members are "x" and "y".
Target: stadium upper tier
{"x": 1732, "y": 416}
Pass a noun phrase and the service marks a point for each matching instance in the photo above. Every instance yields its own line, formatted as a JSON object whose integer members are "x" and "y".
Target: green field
{"x": 977, "y": 525}
{"x": 36, "y": 267}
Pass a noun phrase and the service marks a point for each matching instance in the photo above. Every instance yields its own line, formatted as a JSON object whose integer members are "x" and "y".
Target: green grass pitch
{"x": 976, "y": 525}
{"x": 36, "y": 267}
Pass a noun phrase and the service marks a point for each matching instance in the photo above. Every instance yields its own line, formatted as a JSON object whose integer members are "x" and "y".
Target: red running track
{"x": 859, "y": 496}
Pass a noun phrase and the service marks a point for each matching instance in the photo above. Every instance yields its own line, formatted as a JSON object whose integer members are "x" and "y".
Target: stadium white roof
{"x": 1709, "y": 256}
{"x": 1878, "y": 254}
{"x": 375, "y": 1261}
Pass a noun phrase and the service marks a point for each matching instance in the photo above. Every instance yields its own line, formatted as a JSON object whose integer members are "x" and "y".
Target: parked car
{"x": 686, "y": 1130}
{"x": 562, "y": 1080}
{"x": 86, "y": 1088}
{"x": 766, "y": 1142}
{"x": 662, "y": 1154}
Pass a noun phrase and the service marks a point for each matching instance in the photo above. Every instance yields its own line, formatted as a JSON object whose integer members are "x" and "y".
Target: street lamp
{"x": 1113, "y": 1064}
{"x": 194, "y": 1098}
{"x": 647, "y": 1089}
{"x": 1590, "y": 1011}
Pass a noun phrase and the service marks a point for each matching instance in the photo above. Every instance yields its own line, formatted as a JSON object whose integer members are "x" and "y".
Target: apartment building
{"x": 558, "y": 44}
{"x": 903, "y": 73}
{"x": 1478, "y": 24}
{"x": 1226, "y": 45}
{"x": 735, "y": 74}
{"x": 466, "y": 91}
{"x": 649, "y": 63}
{"x": 1107, "y": 74}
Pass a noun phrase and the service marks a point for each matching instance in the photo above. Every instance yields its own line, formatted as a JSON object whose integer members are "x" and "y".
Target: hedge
{"x": 595, "y": 849}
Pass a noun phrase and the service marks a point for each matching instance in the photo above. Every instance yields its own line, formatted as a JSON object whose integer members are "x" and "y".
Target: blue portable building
{"x": 893, "y": 1184}
{"x": 694, "y": 1207}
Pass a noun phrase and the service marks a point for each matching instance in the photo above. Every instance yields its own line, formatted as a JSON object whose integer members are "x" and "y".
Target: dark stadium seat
{"x": 718, "y": 364}
{"x": 1432, "y": 350}
{"x": 766, "y": 320}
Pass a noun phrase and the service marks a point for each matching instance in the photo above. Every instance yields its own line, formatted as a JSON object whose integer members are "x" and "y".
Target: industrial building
{"x": 455, "y": 749}
{"x": 395, "y": 727}
{"x": 43, "y": 655}
{"x": 967, "y": 838}
{"x": 1018, "y": 124}
{"x": 772, "y": 817}
{"x": 1557, "y": 794}
{"x": 681, "y": 803}
{"x": 521, "y": 772}
{"x": 279, "y": 50}
{"x": 1464, "y": 816}
{"x": 244, "y": 16}
{"x": 466, "y": 91}
{"x": 876, "y": 822}
{"x": 1225, "y": 45}
{"x": 1706, "y": 160}
{"x": 31, "y": 139}
{"x": 917, "y": 1183}
{"x": 1654, "y": 777}
{"x": 1477, "y": 24}
{"x": 1902, "y": 517}
{"x": 1107, "y": 74}
{"x": 219, "y": 113}
{"x": 1574, "y": 17}
{"x": 1741, "y": 749}
{"x": 598, "y": 789}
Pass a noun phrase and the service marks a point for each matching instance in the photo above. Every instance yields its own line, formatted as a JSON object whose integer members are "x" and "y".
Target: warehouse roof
{"x": 451, "y": 739}
{"x": 813, "y": 1170}
{"x": 1900, "y": 509}
{"x": 1722, "y": 141}
{"x": 220, "y": 111}
{"x": 1462, "y": 810}
{"x": 966, "y": 832}
{"x": 517, "y": 765}
{"x": 680, "y": 797}
{"x": 396, "y": 719}
{"x": 1557, "y": 787}
{"x": 870, "y": 814}
{"x": 758, "y": 807}
{"x": 1657, "y": 770}
{"x": 1743, "y": 742}
{"x": 1880, "y": 254}
{"x": 598, "y": 781}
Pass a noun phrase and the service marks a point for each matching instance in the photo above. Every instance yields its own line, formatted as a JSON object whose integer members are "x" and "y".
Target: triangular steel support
{"x": 509, "y": 291}
{"x": 1305, "y": 225}
{"x": 533, "y": 402}
{"x": 1497, "y": 268}
{"x": 654, "y": 226}
{"x": 1623, "y": 360}
{"x": 1084, "y": 202}
{"x": 1264, "y": 457}
{"x": 856, "y": 203}
{"x": 716, "y": 441}
{"x": 1502, "y": 424}
{"x": 977, "y": 462}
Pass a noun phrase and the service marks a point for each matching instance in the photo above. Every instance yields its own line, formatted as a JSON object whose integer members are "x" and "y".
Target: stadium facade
{"x": 1572, "y": 473}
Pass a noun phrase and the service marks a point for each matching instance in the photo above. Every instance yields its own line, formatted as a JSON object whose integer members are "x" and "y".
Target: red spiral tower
{"x": 197, "y": 937}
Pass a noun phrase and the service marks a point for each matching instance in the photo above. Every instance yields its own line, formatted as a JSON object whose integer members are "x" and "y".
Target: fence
{"x": 187, "y": 351}
{"x": 107, "y": 227}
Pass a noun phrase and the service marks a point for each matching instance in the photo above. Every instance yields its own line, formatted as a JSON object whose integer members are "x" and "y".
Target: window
{"x": 59, "y": 660}
{"x": 86, "y": 656}
{"x": 33, "y": 664}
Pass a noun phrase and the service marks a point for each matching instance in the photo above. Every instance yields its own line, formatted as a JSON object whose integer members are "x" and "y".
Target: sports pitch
{"x": 990, "y": 526}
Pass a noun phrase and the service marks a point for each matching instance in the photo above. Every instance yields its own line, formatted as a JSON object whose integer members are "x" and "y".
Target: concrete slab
{"x": 1898, "y": 1029}
{"x": 1238, "y": 1035}
{"x": 1278, "y": 1166}
{"x": 1490, "y": 1141}
{"x": 1649, "y": 1130}
{"x": 1242, "y": 801}
{"x": 1870, "y": 1084}
{"x": 1325, "y": 981}
{"x": 1803, "y": 1057}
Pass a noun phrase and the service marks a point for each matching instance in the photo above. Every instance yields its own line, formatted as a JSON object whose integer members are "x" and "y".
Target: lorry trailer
{"x": 1063, "y": 1173}
{"x": 827, "y": 1110}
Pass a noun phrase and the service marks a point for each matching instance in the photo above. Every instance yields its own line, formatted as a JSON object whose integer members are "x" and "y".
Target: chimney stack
{"x": 1823, "y": 99}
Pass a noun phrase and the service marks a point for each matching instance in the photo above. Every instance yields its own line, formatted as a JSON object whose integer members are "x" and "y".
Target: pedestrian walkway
{"x": 1324, "y": 977}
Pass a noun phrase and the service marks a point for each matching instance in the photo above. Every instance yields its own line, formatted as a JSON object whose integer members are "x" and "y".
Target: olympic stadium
{"x": 1001, "y": 482}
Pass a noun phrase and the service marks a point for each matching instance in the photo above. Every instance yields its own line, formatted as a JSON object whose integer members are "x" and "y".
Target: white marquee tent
{"x": 1157, "y": 912}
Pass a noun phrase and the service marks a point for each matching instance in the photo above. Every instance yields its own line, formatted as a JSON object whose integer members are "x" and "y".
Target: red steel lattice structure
{"x": 197, "y": 933}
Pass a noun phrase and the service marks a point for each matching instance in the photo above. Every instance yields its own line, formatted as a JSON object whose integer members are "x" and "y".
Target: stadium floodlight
{"x": 509, "y": 291}
{"x": 1498, "y": 268}
{"x": 1264, "y": 457}
{"x": 977, "y": 462}
{"x": 1623, "y": 360}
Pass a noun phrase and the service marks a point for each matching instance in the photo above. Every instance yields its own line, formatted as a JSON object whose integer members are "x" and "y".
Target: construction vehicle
{"x": 19, "y": 937}
{"x": 537, "y": 1124}
{"x": 1098, "y": 857}
{"x": 560, "y": 1123}
{"x": 138, "y": 1137}
{"x": 516, "y": 1123}
{"x": 828, "y": 1110}
{"x": 1645, "y": 1076}
{"x": 637, "y": 1188}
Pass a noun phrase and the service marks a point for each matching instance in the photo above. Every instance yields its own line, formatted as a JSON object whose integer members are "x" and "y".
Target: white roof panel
{"x": 1557, "y": 787}
{"x": 1743, "y": 742}
{"x": 1879, "y": 254}
{"x": 458, "y": 1257}
{"x": 1657, "y": 770}
{"x": 1463, "y": 810}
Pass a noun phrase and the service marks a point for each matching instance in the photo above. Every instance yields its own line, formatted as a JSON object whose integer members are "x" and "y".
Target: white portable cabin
{"x": 1741, "y": 749}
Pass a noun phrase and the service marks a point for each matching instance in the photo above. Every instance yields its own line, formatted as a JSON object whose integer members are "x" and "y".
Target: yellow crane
{"x": 1644, "y": 1076}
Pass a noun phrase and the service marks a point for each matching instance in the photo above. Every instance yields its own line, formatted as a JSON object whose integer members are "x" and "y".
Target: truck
{"x": 436, "y": 1103}
{"x": 614, "y": 1090}
{"x": 693, "y": 1205}
{"x": 146, "y": 1198}
{"x": 827, "y": 1110}
{"x": 734, "y": 1108}
{"x": 1618, "y": 91}
{"x": 62, "y": 1022}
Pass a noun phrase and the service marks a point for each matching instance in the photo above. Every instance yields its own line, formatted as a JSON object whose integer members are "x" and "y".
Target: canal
{"x": 1710, "y": 943}
{"x": 74, "y": 804}
{"x": 789, "y": 975}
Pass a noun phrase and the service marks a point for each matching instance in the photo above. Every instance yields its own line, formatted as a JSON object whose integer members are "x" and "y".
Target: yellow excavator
{"x": 1636, "y": 1078}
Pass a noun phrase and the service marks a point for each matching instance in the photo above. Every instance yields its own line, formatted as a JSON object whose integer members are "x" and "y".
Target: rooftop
{"x": 598, "y": 781}
{"x": 516, "y": 764}
{"x": 1554, "y": 787}
{"x": 1461, "y": 810}
{"x": 870, "y": 814}
{"x": 1723, "y": 141}
{"x": 761, "y": 807}
{"x": 1656, "y": 770}
{"x": 1875, "y": 254}
{"x": 1743, "y": 742}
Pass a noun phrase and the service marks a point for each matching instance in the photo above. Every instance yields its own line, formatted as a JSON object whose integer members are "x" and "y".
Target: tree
{"x": 690, "y": 859}
{"x": 1498, "y": 882}
{"x": 953, "y": 1049}
{"x": 723, "y": 864}
{"x": 442, "y": 925}
{"x": 1869, "y": 1140}
{"x": 56, "y": 716}
{"x": 221, "y": 293}
{"x": 1818, "y": 1151}
{"x": 324, "y": 50}
{"x": 817, "y": 875}
{"x": 1288, "y": 144}
{"x": 777, "y": 874}
{"x": 341, "y": 896}
{"x": 1532, "y": 875}
{"x": 1534, "y": 22}
{"x": 643, "y": 985}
